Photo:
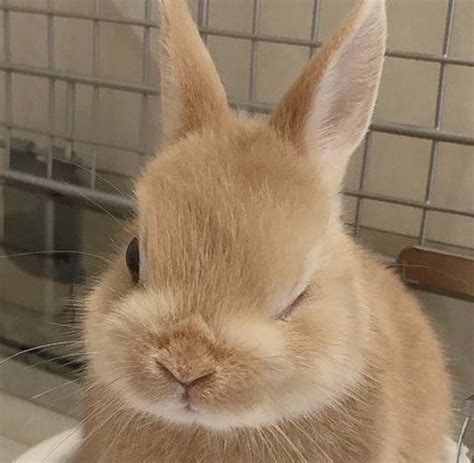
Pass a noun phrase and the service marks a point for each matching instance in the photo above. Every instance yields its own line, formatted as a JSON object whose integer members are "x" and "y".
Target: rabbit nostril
{"x": 185, "y": 382}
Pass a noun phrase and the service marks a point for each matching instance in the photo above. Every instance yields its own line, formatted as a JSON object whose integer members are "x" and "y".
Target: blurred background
{"x": 79, "y": 110}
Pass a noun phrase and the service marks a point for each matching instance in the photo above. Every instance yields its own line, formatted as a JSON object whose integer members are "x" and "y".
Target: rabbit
{"x": 241, "y": 322}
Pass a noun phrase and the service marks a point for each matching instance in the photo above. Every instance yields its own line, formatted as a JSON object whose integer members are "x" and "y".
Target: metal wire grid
{"x": 436, "y": 134}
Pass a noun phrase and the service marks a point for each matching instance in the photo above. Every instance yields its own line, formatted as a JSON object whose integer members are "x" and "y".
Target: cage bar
{"x": 77, "y": 78}
{"x": 394, "y": 128}
{"x": 70, "y": 117}
{"x": 254, "y": 51}
{"x": 61, "y": 136}
{"x": 362, "y": 179}
{"x": 95, "y": 129}
{"x": 315, "y": 20}
{"x": 408, "y": 202}
{"x": 380, "y": 126}
{"x": 145, "y": 101}
{"x": 438, "y": 116}
{"x": 67, "y": 190}
{"x": 203, "y": 18}
{"x": 231, "y": 34}
{"x": 50, "y": 207}
{"x": 8, "y": 83}
{"x": 51, "y": 91}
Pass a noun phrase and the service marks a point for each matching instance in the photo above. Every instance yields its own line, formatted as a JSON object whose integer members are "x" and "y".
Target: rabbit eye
{"x": 132, "y": 257}
{"x": 294, "y": 305}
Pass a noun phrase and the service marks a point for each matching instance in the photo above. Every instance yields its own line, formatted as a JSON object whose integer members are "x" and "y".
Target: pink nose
{"x": 187, "y": 381}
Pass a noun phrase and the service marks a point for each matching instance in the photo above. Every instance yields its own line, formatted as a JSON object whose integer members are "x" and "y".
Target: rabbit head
{"x": 241, "y": 305}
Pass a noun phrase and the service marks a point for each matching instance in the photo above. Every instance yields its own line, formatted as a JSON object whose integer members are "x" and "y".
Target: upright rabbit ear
{"x": 327, "y": 111}
{"x": 192, "y": 95}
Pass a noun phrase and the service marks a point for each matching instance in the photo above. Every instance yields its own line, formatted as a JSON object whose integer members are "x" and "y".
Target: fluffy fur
{"x": 236, "y": 218}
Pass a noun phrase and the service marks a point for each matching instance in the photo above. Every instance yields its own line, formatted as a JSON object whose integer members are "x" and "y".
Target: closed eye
{"x": 284, "y": 314}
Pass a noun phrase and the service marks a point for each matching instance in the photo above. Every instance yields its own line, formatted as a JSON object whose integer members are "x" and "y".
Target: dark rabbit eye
{"x": 132, "y": 257}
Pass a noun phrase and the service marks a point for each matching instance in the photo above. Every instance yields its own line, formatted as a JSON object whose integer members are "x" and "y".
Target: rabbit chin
{"x": 179, "y": 413}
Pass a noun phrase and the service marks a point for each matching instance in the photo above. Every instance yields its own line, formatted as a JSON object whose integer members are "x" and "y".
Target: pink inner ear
{"x": 327, "y": 111}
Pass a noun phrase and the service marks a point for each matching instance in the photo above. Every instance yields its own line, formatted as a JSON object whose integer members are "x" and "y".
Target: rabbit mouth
{"x": 188, "y": 406}
{"x": 185, "y": 405}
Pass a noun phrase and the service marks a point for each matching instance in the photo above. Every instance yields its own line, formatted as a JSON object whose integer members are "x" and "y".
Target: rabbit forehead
{"x": 223, "y": 210}
{"x": 244, "y": 166}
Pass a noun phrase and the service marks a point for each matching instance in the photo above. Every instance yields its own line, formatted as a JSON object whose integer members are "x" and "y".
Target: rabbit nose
{"x": 187, "y": 381}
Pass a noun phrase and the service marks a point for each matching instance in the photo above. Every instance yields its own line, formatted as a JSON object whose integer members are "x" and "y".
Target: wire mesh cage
{"x": 249, "y": 34}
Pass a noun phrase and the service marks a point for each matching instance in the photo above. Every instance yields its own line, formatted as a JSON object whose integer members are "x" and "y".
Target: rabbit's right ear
{"x": 192, "y": 95}
{"x": 327, "y": 111}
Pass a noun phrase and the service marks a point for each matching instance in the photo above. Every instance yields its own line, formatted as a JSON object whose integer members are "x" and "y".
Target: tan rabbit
{"x": 243, "y": 324}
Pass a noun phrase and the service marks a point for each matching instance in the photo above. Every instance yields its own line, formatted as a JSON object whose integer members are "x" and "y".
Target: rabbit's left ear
{"x": 327, "y": 111}
{"x": 192, "y": 95}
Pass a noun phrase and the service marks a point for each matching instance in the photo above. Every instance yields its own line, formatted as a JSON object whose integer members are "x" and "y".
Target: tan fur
{"x": 199, "y": 100}
{"x": 237, "y": 216}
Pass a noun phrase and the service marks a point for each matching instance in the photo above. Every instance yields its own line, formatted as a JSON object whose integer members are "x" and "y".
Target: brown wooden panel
{"x": 437, "y": 271}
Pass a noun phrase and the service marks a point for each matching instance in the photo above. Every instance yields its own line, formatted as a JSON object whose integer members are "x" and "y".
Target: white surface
{"x": 34, "y": 406}
{"x": 57, "y": 449}
{"x": 27, "y": 423}
{"x": 452, "y": 451}
{"x": 39, "y": 386}
{"x": 24, "y": 424}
